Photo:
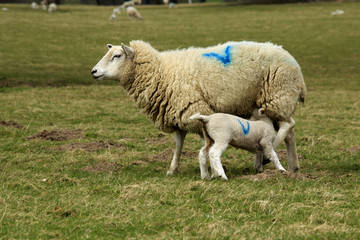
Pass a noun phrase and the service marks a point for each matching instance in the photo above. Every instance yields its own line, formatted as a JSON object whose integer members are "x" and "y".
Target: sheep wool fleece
{"x": 233, "y": 78}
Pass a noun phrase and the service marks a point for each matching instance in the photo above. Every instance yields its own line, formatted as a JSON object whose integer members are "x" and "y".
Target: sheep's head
{"x": 115, "y": 65}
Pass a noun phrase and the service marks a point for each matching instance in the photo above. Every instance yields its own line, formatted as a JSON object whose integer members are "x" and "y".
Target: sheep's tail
{"x": 199, "y": 117}
{"x": 302, "y": 95}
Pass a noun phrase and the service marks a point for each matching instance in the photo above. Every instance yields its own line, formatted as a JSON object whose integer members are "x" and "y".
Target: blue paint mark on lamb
{"x": 245, "y": 130}
{"x": 225, "y": 58}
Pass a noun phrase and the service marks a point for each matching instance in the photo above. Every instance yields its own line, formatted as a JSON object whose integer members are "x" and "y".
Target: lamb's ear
{"x": 261, "y": 112}
{"x": 129, "y": 52}
{"x": 109, "y": 46}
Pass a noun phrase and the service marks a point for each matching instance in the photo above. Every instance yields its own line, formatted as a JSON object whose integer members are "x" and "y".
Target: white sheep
{"x": 337, "y": 12}
{"x": 34, "y": 5}
{"x": 220, "y": 130}
{"x": 52, "y": 7}
{"x": 133, "y": 13}
{"x": 172, "y": 5}
{"x": 233, "y": 78}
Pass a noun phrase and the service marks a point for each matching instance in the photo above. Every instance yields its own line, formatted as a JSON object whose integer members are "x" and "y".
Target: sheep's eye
{"x": 117, "y": 56}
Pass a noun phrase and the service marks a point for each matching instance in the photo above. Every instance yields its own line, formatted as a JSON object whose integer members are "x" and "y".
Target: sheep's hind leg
{"x": 293, "y": 161}
{"x": 179, "y": 141}
{"x": 215, "y": 162}
{"x": 286, "y": 132}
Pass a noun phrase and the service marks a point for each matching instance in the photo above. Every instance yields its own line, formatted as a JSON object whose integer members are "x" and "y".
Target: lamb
{"x": 220, "y": 130}
{"x": 112, "y": 17}
{"x": 171, "y": 86}
{"x": 116, "y": 10}
{"x": 133, "y": 13}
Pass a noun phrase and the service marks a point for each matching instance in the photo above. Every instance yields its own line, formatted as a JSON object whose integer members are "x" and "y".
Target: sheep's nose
{"x": 93, "y": 71}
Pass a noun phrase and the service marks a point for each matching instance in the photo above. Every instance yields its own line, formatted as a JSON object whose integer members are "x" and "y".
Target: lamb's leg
{"x": 179, "y": 141}
{"x": 203, "y": 160}
{"x": 293, "y": 161}
{"x": 215, "y": 162}
{"x": 271, "y": 154}
{"x": 258, "y": 162}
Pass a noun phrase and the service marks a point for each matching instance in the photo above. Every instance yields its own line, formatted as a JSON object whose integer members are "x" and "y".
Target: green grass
{"x": 123, "y": 192}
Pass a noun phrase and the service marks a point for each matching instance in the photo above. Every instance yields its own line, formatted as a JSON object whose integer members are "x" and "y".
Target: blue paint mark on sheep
{"x": 245, "y": 130}
{"x": 225, "y": 58}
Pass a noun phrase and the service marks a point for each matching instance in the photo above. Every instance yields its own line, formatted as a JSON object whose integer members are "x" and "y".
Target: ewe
{"x": 133, "y": 13}
{"x": 52, "y": 7}
{"x": 233, "y": 78}
{"x": 221, "y": 130}
{"x": 34, "y": 5}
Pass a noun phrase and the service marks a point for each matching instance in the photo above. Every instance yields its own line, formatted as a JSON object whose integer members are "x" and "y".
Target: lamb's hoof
{"x": 223, "y": 178}
{"x": 206, "y": 178}
{"x": 170, "y": 173}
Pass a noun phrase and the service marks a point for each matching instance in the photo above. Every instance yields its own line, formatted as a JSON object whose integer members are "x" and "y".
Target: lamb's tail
{"x": 199, "y": 117}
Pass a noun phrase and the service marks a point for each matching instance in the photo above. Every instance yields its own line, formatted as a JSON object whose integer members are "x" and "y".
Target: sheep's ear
{"x": 109, "y": 46}
{"x": 128, "y": 51}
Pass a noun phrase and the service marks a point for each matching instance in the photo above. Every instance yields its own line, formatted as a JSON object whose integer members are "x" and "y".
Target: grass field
{"x": 78, "y": 160}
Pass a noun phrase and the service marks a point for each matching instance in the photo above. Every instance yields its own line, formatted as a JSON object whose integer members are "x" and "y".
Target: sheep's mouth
{"x": 98, "y": 77}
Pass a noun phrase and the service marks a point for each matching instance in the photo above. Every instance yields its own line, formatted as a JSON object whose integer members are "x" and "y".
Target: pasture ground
{"x": 78, "y": 159}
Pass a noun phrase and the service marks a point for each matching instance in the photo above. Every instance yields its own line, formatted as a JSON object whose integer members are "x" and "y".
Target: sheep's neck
{"x": 145, "y": 90}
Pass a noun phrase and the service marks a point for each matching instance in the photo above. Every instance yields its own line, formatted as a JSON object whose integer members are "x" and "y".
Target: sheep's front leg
{"x": 215, "y": 162}
{"x": 286, "y": 132}
{"x": 179, "y": 141}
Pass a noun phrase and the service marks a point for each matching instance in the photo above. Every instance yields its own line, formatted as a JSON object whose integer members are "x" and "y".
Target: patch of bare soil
{"x": 269, "y": 174}
{"x": 102, "y": 167}
{"x": 89, "y": 146}
{"x": 282, "y": 155}
{"x": 160, "y": 138}
{"x": 11, "y": 123}
{"x": 58, "y": 135}
{"x": 351, "y": 149}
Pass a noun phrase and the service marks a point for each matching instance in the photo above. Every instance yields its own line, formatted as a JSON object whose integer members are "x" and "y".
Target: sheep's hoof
{"x": 294, "y": 170}
{"x": 206, "y": 178}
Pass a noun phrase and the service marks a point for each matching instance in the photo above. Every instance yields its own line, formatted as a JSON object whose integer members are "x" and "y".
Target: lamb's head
{"x": 115, "y": 65}
{"x": 259, "y": 114}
